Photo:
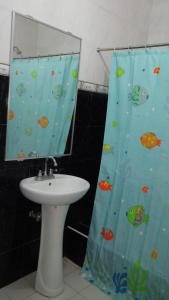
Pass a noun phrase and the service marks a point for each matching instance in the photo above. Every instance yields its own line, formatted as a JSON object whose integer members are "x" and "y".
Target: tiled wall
{"x": 19, "y": 234}
{"x": 85, "y": 162}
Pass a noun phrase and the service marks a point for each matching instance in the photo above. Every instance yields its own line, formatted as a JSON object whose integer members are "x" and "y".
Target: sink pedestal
{"x": 49, "y": 278}
{"x": 55, "y": 195}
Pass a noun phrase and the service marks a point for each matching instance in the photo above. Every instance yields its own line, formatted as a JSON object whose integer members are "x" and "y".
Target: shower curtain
{"x": 128, "y": 246}
{"x": 42, "y": 100}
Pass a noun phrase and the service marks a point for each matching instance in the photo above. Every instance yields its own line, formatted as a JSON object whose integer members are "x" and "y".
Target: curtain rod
{"x": 90, "y": 82}
{"x": 43, "y": 56}
{"x": 132, "y": 47}
{"x": 3, "y": 64}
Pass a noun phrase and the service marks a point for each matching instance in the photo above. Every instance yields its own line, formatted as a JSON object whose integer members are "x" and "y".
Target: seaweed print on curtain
{"x": 42, "y": 100}
{"x": 128, "y": 246}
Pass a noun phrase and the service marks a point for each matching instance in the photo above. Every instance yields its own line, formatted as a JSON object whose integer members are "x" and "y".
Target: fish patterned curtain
{"x": 42, "y": 100}
{"x": 128, "y": 246}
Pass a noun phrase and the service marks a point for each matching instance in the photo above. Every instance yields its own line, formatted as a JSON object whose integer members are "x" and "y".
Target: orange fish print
{"x": 145, "y": 189}
{"x": 43, "y": 122}
{"x": 149, "y": 140}
{"x": 157, "y": 70}
{"x": 11, "y": 115}
{"x": 105, "y": 185}
{"x": 154, "y": 254}
{"x": 107, "y": 234}
{"x": 21, "y": 156}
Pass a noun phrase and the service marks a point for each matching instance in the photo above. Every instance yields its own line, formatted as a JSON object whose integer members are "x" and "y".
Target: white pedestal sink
{"x": 55, "y": 195}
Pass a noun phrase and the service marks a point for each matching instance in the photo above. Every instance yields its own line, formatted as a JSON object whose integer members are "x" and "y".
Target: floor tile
{"x": 37, "y": 296}
{"x": 18, "y": 290}
{"x": 76, "y": 288}
{"x": 92, "y": 292}
{"x": 30, "y": 278}
{"x": 67, "y": 294}
{"x": 3, "y": 296}
{"x": 75, "y": 281}
{"x": 69, "y": 267}
{"x": 78, "y": 297}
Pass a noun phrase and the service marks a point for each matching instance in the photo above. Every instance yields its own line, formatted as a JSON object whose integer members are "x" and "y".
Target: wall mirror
{"x": 44, "y": 69}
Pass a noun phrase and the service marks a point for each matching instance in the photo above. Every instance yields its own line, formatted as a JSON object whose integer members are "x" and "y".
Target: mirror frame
{"x": 14, "y": 13}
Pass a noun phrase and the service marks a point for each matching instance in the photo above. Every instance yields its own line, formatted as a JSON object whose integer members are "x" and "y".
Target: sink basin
{"x": 64, "y": 189}
{"x": 55, "y": 195}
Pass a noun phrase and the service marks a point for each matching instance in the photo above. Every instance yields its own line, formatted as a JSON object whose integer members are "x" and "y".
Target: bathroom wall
{"x": 99, "y": 23}
{"x": 159, "y": 22}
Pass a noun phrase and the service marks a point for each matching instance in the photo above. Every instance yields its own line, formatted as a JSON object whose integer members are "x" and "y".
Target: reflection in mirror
{"x": 43, "y": 88}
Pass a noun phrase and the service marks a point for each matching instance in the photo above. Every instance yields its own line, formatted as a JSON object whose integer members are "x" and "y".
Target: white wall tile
{"x": 133, "y": 12}
{"x": 5, "y": 27}
{"x": 159, "y": 22}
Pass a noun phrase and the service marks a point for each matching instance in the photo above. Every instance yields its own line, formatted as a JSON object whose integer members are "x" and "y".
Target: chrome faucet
{"x": 46, "y": 165}
{"x": 46, "y": 175}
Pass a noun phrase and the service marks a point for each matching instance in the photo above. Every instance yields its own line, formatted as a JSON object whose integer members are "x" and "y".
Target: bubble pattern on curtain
{"x": 128, "y": 245}
{"x": 42, "y": 100}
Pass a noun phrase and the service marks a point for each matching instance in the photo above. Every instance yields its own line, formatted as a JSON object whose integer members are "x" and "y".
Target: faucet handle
{"x": 39, "y": 176}
{"x": 40, "y": 173}
{"x": 51, "y": 173}
{"x": 55, "y": 170}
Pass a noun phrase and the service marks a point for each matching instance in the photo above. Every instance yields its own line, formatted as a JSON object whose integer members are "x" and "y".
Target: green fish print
{"x": 107, "y": 147}
{"x": 136, "y": 215}
{"x": 119, "y": 72}
{"x": 34, "y": 74}
{"x": 138, "y": 95}
{"x": 58, "y": 91}
{"x": 75, "y": 73}
{"x": 20, "y": 89}
{"x": 28, "y": 131}
{"x": 115, "y": 123}
{"x": 33, "y": 154}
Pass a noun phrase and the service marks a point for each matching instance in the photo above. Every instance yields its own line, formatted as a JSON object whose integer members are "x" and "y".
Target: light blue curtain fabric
{"x": 42, "y": 100}
{"x": 128, "y": 246}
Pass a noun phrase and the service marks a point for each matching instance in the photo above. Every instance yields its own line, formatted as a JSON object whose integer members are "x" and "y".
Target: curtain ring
{"x": 129, "y": 49}
{"x": 146, "y": 50}
{"x": 114, "y": 51}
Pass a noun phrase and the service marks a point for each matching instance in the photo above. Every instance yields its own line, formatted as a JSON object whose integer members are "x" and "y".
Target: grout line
{"x": 77, "y": 292}
{"x": 20, "y": 246}
{"x": 83, "y": 297}
{"x": 27, "y": 297}
{"x": 6, "y": 294}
